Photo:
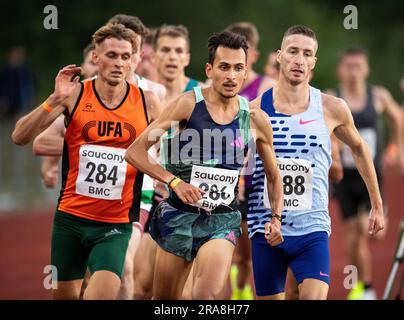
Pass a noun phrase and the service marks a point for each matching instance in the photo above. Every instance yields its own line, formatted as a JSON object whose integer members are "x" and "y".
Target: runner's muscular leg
{"x": 126, "y": 291}
{"x": 313, "y": 289}
{"x": 212, "y": 268}
{"x": 363, "y": 254}
{"x": 291, "y": 287}
{"x": 144, "y": 268}
{"x": 67, "y": 290}
{"x": 187, "y": 291}
{"x": 103, "y": 285}
{"x": 244, "y": 257}
{"x": 170, "y": 274}
{"x": 278, "y": 296}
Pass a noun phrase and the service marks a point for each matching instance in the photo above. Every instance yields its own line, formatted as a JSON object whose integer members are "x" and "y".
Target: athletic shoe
{"x": 357, "y": 291}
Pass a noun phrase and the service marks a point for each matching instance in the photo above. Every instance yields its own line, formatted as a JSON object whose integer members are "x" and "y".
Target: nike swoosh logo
{"x": 323, "y": 274}
{"x": 305, "y": 122}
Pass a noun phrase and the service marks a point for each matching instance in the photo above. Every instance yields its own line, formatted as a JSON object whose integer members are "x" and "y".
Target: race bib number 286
{"x": 102, "y": 172}
{"x": 218, "y": 184}
{"x": 296, "y": 176}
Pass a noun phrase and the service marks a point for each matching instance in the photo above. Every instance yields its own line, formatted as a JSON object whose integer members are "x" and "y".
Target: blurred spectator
{"x": 88, "y": 67}
{"x": 271, "y": 68}
{"x": 146, "y": 68}
{"x": 17, "y": 84}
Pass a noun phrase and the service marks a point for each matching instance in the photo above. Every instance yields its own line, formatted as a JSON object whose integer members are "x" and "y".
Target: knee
{"x": 204, "y": 293}
{"x": 142, "y": 294}
{"x": 142, "y": 289}
{"x": 65, "y": 295}
{"x": 312, "y": 296}
{"x": 111, "y": 294}
{"x": 312, "y": 293}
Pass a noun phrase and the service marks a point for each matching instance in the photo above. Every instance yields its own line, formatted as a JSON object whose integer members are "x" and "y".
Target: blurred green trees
{"x": 381, "y": 31}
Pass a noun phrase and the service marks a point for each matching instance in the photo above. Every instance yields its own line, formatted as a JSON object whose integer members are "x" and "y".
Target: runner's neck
{"x": 354, "y": 89}
{"x": 290, "y": 99}
{"x": 215, "y": 99}
{"x": 175, "y": 87}
{"x": 110, "y": 95}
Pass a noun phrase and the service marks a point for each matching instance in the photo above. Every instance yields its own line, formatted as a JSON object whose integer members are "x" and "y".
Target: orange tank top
{"x": 97, "y": 183}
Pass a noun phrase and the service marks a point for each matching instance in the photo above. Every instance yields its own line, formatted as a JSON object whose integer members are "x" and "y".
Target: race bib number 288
{"x": 296, "y": 176}
{"x": 102, "y": 172}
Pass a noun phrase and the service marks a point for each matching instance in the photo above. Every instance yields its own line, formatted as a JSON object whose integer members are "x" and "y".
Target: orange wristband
{"x": 174, "y": 183}
{"x": 47, "y": 106}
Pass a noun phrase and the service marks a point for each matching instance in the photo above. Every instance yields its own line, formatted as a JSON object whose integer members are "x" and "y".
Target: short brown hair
{"x": 300, "y": 29}
{"x": 246, "y": 29}
{"x": 173, "y": 31}
{"x": 150, "y": 36}
{"x": 353, "y": 51}
{"x": 117, "y": 31}
{"x": 131, "y": 22}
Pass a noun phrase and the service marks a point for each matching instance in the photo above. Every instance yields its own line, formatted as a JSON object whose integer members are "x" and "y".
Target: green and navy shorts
{"x": 78, "y": 244}
{"x": 183, "y": 233}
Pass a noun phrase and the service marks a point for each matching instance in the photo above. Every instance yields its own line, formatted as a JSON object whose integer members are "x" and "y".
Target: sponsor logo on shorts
{"x": 231, "y": 236}
{"x": 112, "y": 232}
{"x": 323, "y": 274}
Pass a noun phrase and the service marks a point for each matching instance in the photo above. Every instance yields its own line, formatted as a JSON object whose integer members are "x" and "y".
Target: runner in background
{"x": 271, "y": 68}
{"x": 367, "y": 103}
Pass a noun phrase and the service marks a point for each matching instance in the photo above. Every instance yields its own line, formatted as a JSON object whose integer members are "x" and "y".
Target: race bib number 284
{"x": 102, "y": 172}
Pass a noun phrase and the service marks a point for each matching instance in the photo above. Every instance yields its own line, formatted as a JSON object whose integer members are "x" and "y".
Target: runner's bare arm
{"x": 264, "y": 141}
{"x": 50, "y": 171}
{"x": 153, "y": 105}
{"x": 336, "y": 172}
{"x": 345, "y": 130}
{"x": 393, "y": 112}
{"x": 50, "y": 141}
{"x": 262, "y": 132}
{"x": 62, "y": 99}
{"x": 180, "y": 109}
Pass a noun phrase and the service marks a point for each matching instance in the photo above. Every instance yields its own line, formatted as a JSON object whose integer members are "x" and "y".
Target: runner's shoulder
{"x": 336, "y": 107}
{"x": 259, "y": 119}
{"x": 255, "y": 104}
{"x": 157, "y": 88}
{"x": 182, "y": 105}
{"x": 381, "y": 93}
